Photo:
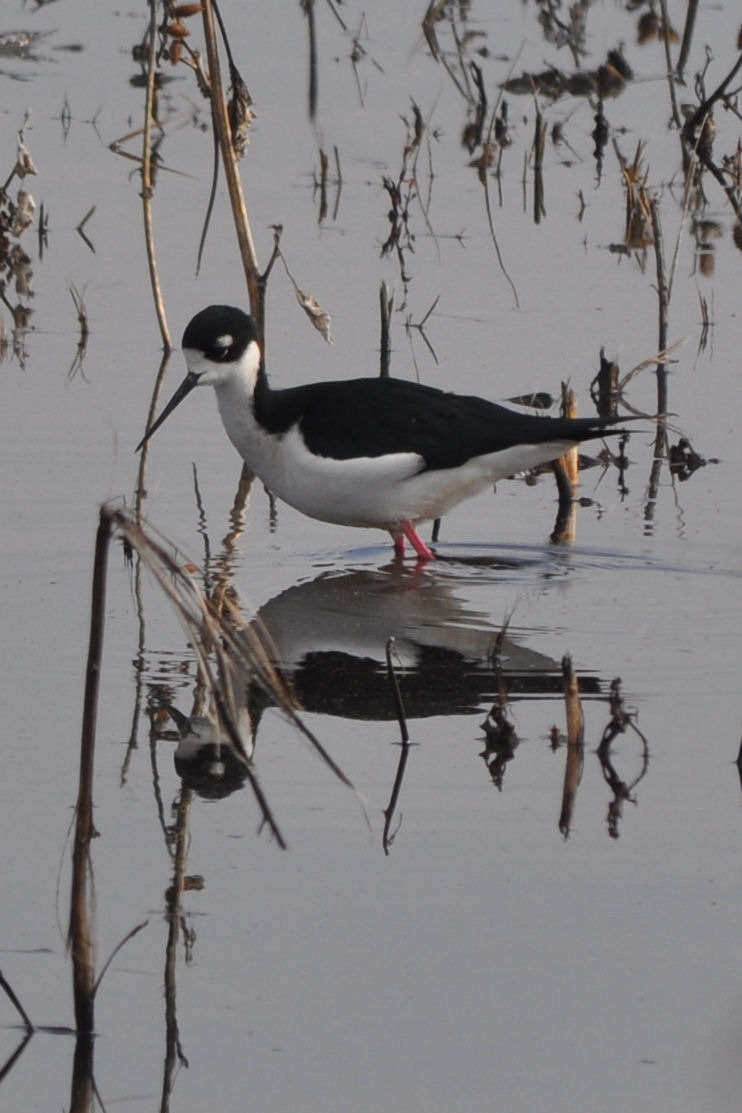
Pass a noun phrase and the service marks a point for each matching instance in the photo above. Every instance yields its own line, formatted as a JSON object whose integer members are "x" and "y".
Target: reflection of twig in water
{"x": 9, "y": 992}
{"x": 174, "y": 1053}
{"x": 487, "y": 148}
{"x": 619, "y": 721}
{"x": 698, "y": 133}
{"x": 501, "y": 739}
{"x": 15, "y": 1055}
{"x": 321, "y": 185}
{"x": 575, "y": 745}
{"x": 388, "y": 835}
{"x": 420, "y": 326}
{"x": 82, "y": 343}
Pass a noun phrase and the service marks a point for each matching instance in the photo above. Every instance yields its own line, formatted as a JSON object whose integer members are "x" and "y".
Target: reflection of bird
{"x": 376, "y": 452}
{"x": 204, "y": 758}
{"x": 329, "y": 637}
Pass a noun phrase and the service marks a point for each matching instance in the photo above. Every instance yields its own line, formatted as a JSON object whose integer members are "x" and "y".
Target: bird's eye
{"x": 222, "y": 345}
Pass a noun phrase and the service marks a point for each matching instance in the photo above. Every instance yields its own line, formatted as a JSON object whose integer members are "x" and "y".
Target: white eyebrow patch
{"x": 225, "y": 341}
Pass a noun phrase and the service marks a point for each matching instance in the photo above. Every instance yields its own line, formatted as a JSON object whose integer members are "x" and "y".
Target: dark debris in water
{"x": 608, "y": 80}
{"x": 684, "y": 460}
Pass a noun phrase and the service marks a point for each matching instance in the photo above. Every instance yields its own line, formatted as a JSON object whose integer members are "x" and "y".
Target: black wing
{"x": 375, "y": 417}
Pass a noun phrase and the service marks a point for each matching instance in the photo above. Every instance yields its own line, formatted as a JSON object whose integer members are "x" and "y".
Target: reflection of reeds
{"x": 388, "y": 835}
{"x": 619, "y": 723}
{"x": 575, "y": 745}
{"x": 228, "y": 651}
{"x": 638, "y": 231}
{"x": 80, "y": 936}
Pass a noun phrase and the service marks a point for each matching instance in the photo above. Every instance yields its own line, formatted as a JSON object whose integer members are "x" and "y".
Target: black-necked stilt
{"x": 376, "y": 452}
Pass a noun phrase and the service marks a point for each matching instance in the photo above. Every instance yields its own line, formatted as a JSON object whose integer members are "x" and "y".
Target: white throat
{"x": 211, "y": 373}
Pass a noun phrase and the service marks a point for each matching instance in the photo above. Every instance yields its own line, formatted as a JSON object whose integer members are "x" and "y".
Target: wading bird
{"x": 376, "y": 452}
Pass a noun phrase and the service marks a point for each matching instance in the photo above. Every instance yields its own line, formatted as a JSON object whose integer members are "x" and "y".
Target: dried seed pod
{"x": 319, "y": 317}
{"x": 177, "y": 30}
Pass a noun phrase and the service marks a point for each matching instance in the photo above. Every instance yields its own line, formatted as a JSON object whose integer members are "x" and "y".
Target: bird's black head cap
{"x": 221, "y": 332}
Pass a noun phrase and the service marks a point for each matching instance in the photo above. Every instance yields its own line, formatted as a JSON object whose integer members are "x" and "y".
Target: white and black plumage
{"x": 376, "y": 452}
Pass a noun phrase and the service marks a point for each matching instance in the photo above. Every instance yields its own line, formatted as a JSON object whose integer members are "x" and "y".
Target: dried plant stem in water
{"x": 660, "y": 440}
{"x": 386, "y": 303}
{"x": 229, "y": 161}
{"x": 566, "y": 472}
{"x": 575, "y": 744}
{"x": 147, "y": 184}
{"x": 80, "y": 936}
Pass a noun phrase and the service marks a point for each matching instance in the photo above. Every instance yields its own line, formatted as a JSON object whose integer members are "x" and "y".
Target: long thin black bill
{"x": 184, "y": 389}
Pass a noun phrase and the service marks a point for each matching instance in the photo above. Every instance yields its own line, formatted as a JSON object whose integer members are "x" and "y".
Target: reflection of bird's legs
{"x": 398, "y": 539}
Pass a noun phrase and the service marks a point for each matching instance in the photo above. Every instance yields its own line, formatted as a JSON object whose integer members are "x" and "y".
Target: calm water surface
{"x": 486, "y": 961}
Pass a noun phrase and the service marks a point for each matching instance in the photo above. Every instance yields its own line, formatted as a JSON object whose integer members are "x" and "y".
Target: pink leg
{"x": 414, "y": 538}
{"x": 398, "y": 539}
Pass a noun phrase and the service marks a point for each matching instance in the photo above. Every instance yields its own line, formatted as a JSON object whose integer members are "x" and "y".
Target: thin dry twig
{"x": 148, "y": 184}
{"x": 229, "y": 157}
{"x": 12, "y": 996}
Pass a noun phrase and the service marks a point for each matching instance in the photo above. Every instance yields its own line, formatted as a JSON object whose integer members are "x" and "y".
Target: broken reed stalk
{"x": 147, "y": 184}
{"x": 80, "y": 935}
{"x": 668, "y": 64}
{"x": 223, "y": 134}
{"x": 660, "y": 440}
{"x": 690, "y": 23}
{"x": 308, "y": 8}
{"x": 575, "y": 744}
{"x": 539, "y": 140}
{"x": 566, "y": 472}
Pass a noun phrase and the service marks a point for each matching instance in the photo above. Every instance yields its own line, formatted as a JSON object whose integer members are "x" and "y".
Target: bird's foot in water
{"x": 407, "y": 530}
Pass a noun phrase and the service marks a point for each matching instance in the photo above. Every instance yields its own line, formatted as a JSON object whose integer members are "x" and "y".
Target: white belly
{"x": 376, "y": 491}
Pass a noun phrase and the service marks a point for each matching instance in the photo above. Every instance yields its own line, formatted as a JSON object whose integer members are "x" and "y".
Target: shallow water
{"x": 485, "y": 960}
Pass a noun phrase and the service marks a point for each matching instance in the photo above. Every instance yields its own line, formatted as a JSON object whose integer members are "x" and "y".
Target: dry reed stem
{"x": 147, "y": 184}
{"x": 488, "y": 203}
{"x": 668, "y": 63}
{"x": 229, "y": 162}
{"x": 690, "y": 22}
{"x": 386, "y": 303}
{"x": 660, "y": 440}
{"x": 80, "y": 933}
{"x": 566, "y": 472}
{"x": 141, "y": 492}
